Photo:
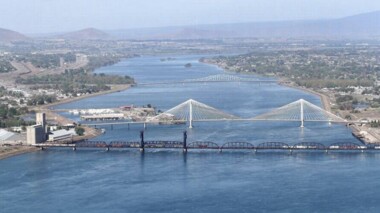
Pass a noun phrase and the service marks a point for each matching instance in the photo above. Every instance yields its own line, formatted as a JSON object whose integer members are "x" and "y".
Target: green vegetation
{"x": 375, "y": 124}
{"x": 10, "y": 116}
{"x": 41, "y": 100}
{"x": 79, "y": 130}
{"x": 5, "y": 92}
{"x": 6, "y": 66}
{"x": 101, "y": 61}
{"x": 375, "y": 103}
{"x": 75, "y": 81}
{"x": 47, "y": 60}
{"x": 315, "y": 68}
{"x": 345, "y": 102}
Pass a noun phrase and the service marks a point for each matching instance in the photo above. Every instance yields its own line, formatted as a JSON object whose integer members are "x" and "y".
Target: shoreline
{"x": 90, "y": 132}
{"x": 367, "y": 139}
{"x": 116, "y": 88}
{"x": 12, "y": 151}
{"x": 7, "y": 152}
{"x": 326, "y": 105}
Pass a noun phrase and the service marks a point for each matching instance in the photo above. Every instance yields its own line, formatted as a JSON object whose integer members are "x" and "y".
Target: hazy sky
{"x": 41, "y": 16}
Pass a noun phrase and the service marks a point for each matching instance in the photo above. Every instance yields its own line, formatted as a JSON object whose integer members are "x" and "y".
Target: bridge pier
{"x": 142, "y": 141}
{"x": 185, "y": 142}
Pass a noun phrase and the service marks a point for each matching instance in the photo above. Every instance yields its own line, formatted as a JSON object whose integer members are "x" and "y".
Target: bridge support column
{"x": 185, "y": 142}
{"x": 301, "y": 114}
{"x": 142, "y": 141}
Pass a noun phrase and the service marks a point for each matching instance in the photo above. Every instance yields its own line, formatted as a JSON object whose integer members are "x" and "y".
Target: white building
{"x": 61, "y": 135}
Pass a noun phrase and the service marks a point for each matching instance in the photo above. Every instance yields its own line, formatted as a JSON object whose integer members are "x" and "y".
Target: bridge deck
{"x": 210, "y": 145}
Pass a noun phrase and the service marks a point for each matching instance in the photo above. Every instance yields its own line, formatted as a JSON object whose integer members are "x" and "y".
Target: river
{"x": 200, "y": 181}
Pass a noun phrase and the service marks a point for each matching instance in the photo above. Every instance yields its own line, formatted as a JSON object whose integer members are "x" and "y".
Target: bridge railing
{"x": 163, "y": 144}
{"x": 123, "y": 144}
{"x": 237, "y": 145}
{"x": 309, "y": 145}
{"x": 273, "y": 145}
{"x": 203, "y": 145}
{"x": 347, "y": 146}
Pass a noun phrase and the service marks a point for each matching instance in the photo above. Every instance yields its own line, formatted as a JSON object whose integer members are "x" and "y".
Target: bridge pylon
{"x": 192, "y": 111}
{"x": 302, "y": 113}
{"x": 191, "y": 114}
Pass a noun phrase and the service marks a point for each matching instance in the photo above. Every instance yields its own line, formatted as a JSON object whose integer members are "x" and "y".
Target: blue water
{"x": 200, "y": 181}
{"x": 245, "y": 100}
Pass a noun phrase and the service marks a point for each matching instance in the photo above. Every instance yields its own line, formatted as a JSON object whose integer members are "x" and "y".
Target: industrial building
{"x": 61, "y": 135}
{"x": 37, "y": 133}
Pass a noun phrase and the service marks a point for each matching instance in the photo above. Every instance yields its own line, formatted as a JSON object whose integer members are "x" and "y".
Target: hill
{"x": 359, "y": 26}
{"x": 9, "y": 36}
{"x": 85, "y": 34}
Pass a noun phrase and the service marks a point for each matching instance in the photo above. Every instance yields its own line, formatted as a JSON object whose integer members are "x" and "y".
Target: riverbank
{"x": 11, "y": 151}
{"x": 326, "y": 104}
{"x": 90, "y": 132}
{"x": 114, "y": 88}
{"x": 360, "y": 131}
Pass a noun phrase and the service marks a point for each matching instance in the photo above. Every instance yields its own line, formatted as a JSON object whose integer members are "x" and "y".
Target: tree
{"x": 79, "y": 130}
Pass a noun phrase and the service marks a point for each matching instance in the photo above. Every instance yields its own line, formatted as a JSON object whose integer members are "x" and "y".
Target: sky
{"x": 49, "y": 16}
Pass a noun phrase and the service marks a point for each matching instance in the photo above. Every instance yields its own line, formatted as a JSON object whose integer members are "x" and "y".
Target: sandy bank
{"x": 10, "y": 151}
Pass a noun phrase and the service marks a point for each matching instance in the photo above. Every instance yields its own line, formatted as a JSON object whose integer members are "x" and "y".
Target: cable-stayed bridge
{"x": 302, "y": 111}
{"x": 192, "y": 111}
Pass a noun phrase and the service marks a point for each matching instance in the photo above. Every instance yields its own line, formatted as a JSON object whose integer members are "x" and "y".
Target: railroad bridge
{"x": 208, "y": 145}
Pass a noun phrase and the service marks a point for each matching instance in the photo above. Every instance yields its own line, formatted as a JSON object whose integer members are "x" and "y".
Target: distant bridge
{"x": 212, "y": 79}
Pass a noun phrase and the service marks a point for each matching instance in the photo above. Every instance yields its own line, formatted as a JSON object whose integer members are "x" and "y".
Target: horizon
{"x": 47, "y": 17}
